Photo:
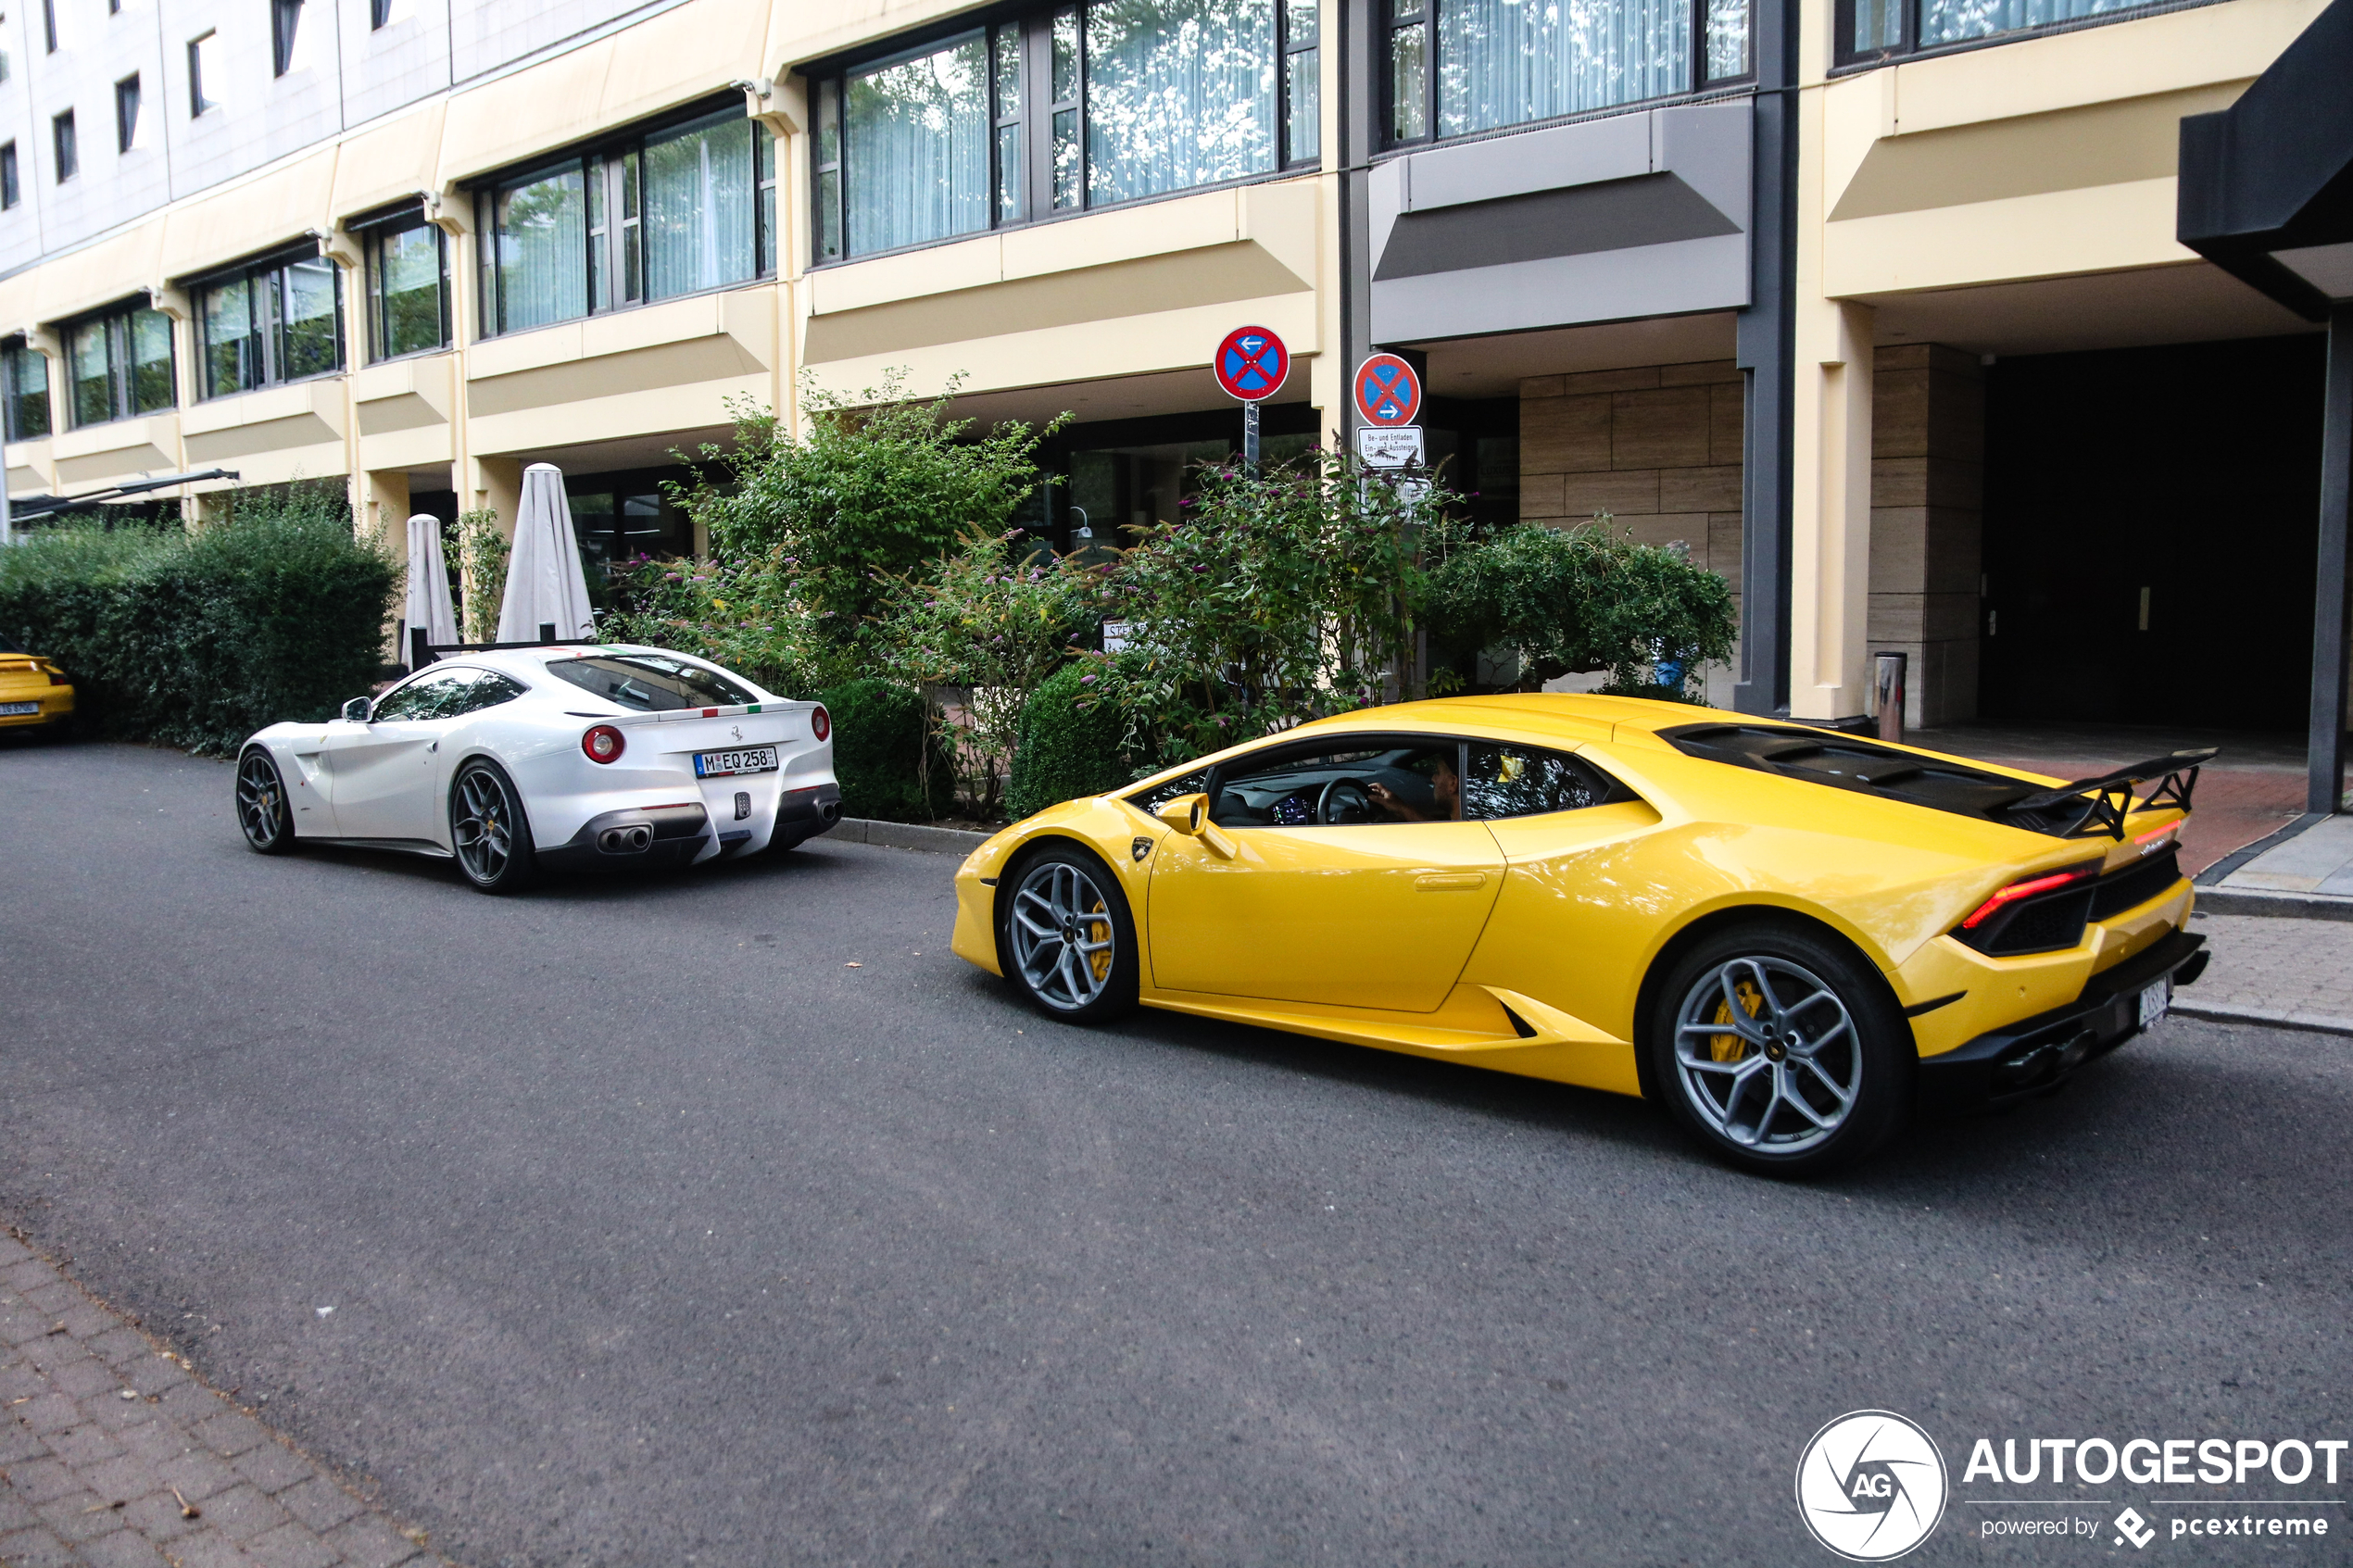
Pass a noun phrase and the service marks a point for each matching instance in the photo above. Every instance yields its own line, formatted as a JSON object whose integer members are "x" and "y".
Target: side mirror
{"x": 355, "y": 711}
{"x": 1188, "y": 814}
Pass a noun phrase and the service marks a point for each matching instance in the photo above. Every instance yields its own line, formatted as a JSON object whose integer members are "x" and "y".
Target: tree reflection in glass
{"x": 1179, "y": 92}
{"x": 917, "y": 139}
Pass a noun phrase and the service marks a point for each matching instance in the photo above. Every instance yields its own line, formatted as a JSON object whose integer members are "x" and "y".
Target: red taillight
{"x": 603, "y": 743}
{"x": 2026, "y": 889}
{"x": 820, "y": 723}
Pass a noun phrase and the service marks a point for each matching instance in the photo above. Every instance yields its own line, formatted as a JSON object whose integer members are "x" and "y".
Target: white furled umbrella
{"x": 544, "y": 583}
{"x": 429, "y": 607}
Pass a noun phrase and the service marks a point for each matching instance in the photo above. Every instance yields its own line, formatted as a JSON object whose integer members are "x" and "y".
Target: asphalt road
{"x": 655, "y": 1232}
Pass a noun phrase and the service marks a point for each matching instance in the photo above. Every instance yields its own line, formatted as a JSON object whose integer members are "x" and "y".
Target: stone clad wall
{"x": 1928, "y": 482}
{"x": 1657, "y": 447}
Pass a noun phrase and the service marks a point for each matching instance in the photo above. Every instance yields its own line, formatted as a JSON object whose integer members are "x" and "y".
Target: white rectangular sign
{"x": 1389, "y": 447}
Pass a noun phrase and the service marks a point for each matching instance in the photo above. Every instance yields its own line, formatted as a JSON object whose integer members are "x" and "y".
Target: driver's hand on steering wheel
{"x": 1385, "y": 798}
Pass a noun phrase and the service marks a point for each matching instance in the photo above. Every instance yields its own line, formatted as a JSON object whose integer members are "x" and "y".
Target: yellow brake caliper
{"x": 1732, "y": 1047}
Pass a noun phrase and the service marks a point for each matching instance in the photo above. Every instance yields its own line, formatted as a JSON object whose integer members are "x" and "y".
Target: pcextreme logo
{"x": 1871, "y": 1486}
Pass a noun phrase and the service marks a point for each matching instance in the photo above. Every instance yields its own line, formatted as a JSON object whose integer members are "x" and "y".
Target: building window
{"x": 1081, "y": 107}
{"x": 676, "y": 210}
{"x": 9, "y": 191}
{"x": 407, "y": 287}
{"x": 24, "y": 391}
{"x": 285, "y": 33}
{"x": 203, "y": 55}
{"x": 274, "y": 322}
{"x": 49, "y": 24}
{"x": 1869, "y": 31}
{"x": 119, "y": 365}
{"x": 382, "y": 14}
{"x": 126, "y": 114}
{"x": 69, "y": 151}
{"x": 1460, "y": 67}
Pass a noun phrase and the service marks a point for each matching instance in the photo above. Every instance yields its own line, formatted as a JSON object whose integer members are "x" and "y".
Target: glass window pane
{"x": 89, "y": 374}
{"x": 28, "y": 395}
{"x": 1948, "y": 21}
{"x": 1008, "y": 78}
{"x": 698, "y": 191}
{"x": 1008, "y": 173}
{"x": 542, "y": 250}
{"x": 1409, "y": 82}
{"x": 763, "y": 153}
{"x": 232, "y": 348}
{"x": 409, "y": 290}
{"x": 633, "y": 250}
{"x": 1065, "y": 50}
{"x": 1524, "y": 781}
{"x": 829, "y": 215}
{"x": 1340, "y": 786}
{"x": 1302, "y": 101}
{"x": 1502, "y": 62}
{"x": 151, "y": 386}
{"x": 917, "y": 158}
{"x": 599, "y": 241}
{"x": 308, "y": 343}
{"x": 828, "y": 124}
{"x": 1727, "y": 38}
{"x": 1179, "y": 92}
{"x": 1065, "y": 157}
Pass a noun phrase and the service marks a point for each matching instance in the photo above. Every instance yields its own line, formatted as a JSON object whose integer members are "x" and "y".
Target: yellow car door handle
{"x": 1450, "y": 882}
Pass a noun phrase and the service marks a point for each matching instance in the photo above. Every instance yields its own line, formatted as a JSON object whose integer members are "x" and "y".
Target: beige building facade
{"x": 1808, "y": 288}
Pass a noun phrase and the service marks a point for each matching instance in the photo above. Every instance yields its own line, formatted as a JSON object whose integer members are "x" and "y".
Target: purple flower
{"x": 1086, "y": 680}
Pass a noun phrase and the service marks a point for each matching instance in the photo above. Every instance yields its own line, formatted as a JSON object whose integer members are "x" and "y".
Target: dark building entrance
{"x": 2150, "y": 523}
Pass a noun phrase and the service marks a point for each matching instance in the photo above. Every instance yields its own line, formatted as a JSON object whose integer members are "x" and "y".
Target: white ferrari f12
{"x": 517, "y": 760}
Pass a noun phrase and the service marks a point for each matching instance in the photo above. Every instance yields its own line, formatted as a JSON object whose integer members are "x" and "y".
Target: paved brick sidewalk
{"x": 2271, "y": 969}
{"x": 112, "y": 1455}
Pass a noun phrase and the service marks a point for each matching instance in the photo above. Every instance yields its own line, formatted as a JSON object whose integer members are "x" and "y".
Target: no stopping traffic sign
{"x": 1387, "y": 391}
{"x": 1251, "y": 363}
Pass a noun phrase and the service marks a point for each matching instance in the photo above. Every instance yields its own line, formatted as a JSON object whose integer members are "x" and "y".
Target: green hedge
{"x": 198, "y": 640}
{"x": 881, "y": 732}
{"x": 1064, "y": 750}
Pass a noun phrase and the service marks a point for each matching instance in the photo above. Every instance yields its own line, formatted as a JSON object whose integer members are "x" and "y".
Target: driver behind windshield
{"x": 1445, "y": 788}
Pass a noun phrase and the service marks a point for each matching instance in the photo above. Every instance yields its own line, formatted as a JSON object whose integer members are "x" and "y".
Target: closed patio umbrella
{"x": 544, "y": 583}
{"x": 429, "y": 607}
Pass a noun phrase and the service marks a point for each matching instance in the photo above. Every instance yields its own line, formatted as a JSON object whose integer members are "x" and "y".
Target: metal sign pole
{"x": 1250, "y": 439}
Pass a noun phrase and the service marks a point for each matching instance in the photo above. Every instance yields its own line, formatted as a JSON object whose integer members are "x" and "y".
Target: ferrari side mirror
{"x": 1188, "y": 814}
{"x": 355, "y": 711}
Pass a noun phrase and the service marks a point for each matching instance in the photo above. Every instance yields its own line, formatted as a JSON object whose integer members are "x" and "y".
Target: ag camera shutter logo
{"x": 1871, "y": 1486}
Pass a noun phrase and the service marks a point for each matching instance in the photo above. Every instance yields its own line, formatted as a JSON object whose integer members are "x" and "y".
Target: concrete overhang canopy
{"x": 2266, "y": 184}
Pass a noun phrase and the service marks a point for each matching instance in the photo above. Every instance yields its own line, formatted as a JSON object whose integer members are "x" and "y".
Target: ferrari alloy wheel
{"x": 489, "y": 830}
{"x": 1065, "y": 935}
{"x": 262, "y": 808}
{"x": 1779, "y": 1053}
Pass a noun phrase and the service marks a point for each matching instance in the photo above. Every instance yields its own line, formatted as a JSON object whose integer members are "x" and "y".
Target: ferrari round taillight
{"x": 603, "y": 743}
{"x": 820, "y": 723}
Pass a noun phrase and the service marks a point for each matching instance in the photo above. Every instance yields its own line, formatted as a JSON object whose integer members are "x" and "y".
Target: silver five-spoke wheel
{"x": 1064, "y": 939}
{"x": 1766, "y": 1054}
{"x": 487, "y": 828}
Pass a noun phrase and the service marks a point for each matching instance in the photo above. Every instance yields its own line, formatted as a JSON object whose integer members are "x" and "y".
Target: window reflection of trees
{"x": 1948, "y": 21}
{"x": 1179, "y": 92}
{"x": 918, "y": 137}
{"x": 1506, "y": 62}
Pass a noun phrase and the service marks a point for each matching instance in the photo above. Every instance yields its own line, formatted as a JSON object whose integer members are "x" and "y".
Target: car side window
{"x": 1528, "y": 781}
{"x": 1149, "y": 801}
{"x": 489, "y": 690}
{"x": 432, "y": 694}
{"x": 1341, "y": 786}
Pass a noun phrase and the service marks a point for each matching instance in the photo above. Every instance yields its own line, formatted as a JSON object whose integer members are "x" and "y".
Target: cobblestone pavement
{"x": 2272, "y": 970}
{"x": 112, "y": 1456}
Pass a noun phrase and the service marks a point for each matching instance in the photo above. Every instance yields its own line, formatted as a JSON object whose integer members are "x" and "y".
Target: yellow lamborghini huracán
{"x": 1789, "y": 937}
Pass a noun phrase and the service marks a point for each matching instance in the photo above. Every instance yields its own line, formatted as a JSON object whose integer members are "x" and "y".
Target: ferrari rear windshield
{"x": 651, "y": 682}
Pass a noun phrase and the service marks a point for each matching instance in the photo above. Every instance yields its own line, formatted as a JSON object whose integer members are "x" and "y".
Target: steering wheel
{"x": 1345, "y": 801}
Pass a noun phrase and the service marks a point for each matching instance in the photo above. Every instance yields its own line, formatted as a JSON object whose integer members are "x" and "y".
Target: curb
{"x": 2223, "y": 1013}
{"x": 906, "y": 835}
{"x": 2290, "y": 906}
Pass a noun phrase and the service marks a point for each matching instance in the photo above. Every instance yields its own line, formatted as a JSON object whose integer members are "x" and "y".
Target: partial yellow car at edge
{"x": 1790, "y": 938}
{"x": 34, "y": 692}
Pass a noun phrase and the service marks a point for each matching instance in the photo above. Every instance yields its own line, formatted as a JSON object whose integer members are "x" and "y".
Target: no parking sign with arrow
{"x": 1387, "y": 391}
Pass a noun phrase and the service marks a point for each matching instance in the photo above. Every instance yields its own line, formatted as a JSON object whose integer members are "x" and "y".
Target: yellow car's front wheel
{"x": 1777, "y": 1051}
{"x": 1064, "y": 936}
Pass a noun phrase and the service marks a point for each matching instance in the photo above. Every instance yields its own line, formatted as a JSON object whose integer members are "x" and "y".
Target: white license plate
{"x": 12, "y": 709}
{"x": 2154, "y": 1000}
{"x": 721, "y": 764}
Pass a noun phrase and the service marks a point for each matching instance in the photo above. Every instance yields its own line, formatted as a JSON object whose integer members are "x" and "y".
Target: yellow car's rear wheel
{"x": 1064, "y": 936}
{"x": 1779, "y": 1052}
